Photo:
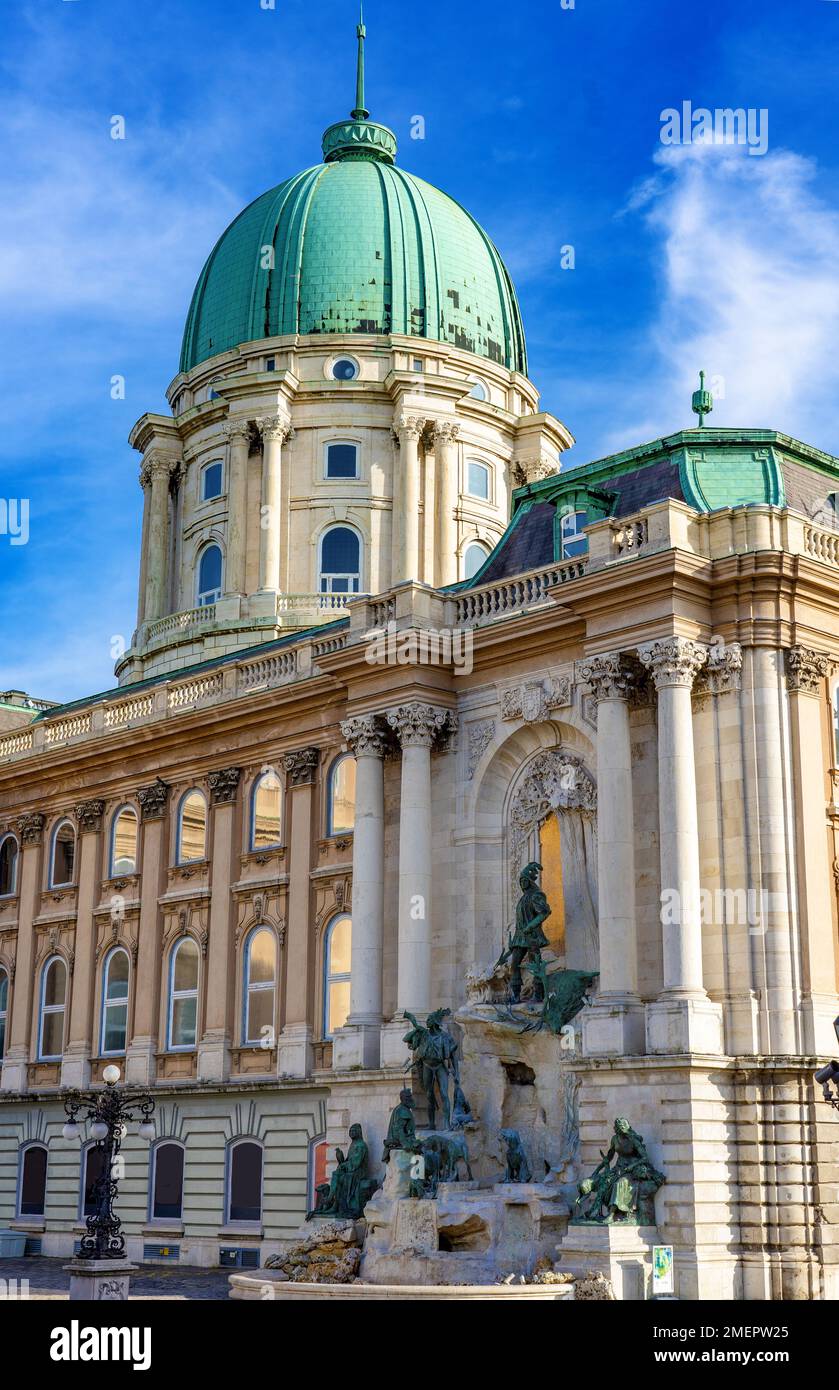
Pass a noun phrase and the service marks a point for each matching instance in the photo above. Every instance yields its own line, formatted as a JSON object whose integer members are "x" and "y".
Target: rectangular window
{"x": 477, "y": 480}
{"x": 270, "y": 364}
{"x": 342, "y": 460}
{"x": 211, "y": 481}
{"x": 574, "y": 538}
{"x": 184, "y": 1013}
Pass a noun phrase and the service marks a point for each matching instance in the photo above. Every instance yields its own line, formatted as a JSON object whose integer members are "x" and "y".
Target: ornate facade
{"x": 235, "y": 872}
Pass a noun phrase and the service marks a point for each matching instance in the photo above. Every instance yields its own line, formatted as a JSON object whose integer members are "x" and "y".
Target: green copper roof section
{"x": 355, "y": 245}
{"x": 728, "y": 476}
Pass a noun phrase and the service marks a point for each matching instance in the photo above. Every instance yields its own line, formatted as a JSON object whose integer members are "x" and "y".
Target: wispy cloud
{"x": 746, "y": 253}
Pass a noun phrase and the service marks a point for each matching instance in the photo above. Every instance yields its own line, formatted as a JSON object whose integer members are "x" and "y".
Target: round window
{"x": 345, "y": 369}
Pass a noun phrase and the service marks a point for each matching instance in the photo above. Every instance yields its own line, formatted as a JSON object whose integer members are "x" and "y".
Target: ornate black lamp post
{"x": 828, "y": 1077}
{"x": 108, "y": 1112}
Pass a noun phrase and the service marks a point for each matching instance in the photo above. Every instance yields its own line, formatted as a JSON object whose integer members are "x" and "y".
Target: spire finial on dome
{"x": 360, "y": 113}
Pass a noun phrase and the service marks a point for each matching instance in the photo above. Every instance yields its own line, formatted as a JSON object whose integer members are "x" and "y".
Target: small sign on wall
{"x": 662, "y": 1269}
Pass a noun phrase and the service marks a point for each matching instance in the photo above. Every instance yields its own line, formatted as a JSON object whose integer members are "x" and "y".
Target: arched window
{"x": 208, "y": 588}
{"x": 341, "y": 802}
{"x": 337, "y": 963}
{"x": 93, "y": 1170}
{"x": 478, "y": 391}
{"x": 192, "y": 828}
{"x": 477, "y": 479}
{"x": 8, "y": 866}
{"x": 114, "y": 1002}
{"x": 572, "y": 532}
{"x": 32, "y": 1191}
{"x": 4, "y": 1009}
{"x": 340, "y": 561}
{"x": 266, "y": 811}
{"x": 212, "y": 475}
{"x": 182, "y": 1029}
{"x": 260, "y": 985}
{"x": 53, "y": 1001}
{"x": 167, "y": 1182}
{"x": 244, "y": 1181}
{"x": 124, "y": 842}
{"x": 473, "y": 559}
{"x": 62, "y": 855}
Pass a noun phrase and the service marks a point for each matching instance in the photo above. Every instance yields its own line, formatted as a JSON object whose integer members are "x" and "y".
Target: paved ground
{"x": 47, "y": 1279}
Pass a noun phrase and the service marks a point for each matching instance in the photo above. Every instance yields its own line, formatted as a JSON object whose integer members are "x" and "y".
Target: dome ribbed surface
{"x": 355, "y": 246}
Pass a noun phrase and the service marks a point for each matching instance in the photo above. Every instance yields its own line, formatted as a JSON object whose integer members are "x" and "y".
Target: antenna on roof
{"x": 360, "y": 113}
{"x": 702, "y": 402}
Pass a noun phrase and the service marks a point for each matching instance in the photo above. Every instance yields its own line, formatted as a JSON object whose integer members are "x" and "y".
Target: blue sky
{"x": 543, "y": 121}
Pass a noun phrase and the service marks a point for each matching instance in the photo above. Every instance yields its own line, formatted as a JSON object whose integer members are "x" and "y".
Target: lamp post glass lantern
{"x": 108, "y": 1112}
{"x": 828, "y": 1077}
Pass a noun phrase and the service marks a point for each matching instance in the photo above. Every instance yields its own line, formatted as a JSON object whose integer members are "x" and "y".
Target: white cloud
{"x": 748, "y": 254}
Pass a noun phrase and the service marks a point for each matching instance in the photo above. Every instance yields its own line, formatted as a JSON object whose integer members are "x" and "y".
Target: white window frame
{"x": 211, "y": 463}
{"x": 330, "y": 797}
{"x": 44, "y": 1009}
{"x": 348, "y": 593}
{"x": 205, "y": 598}
{"x": 478, "y": 463}
{"x": 329, "y": 976}
{"x": 275, "y": 844}
{"x": 179, "y": 859}
{"x": 569, "y": 535}
{"x": 112, "y": 869}
{"x": 335, "y": 479}
{"x": 113, "y": 1003}
{"x": 261, "y": 985}
{"x": 182, "y": 994}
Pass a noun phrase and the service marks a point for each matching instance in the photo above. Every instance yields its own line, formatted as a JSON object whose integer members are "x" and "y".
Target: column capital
{"x": 673, "y": 661}
{"x": 444, "y": 431}
{"x": 365, "y": 734}
{"x": 275, "y": 427}
{"x": 302, "y": 766}
{"x": 419, "y": 725}
{"x": 153, "y": 799}
{"x": 721, "y": 672}
{"x": 156, "y": 465}
{"x": 610, "y": 676}
{"x": 410, "y": 426}
{"x": 30, "y": 827}
{"x": 224, "y": 784}
{"x": 89, "y": 815}
{"x": 806, "y": 669}
{"x": 236, "y": 430}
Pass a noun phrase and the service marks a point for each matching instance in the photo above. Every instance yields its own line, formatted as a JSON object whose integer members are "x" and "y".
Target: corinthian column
{"x": 14, "y": 1077}
{"x": 417, "y": 726}
{"x": 682, "y": 1019}
{"x": 616, "y": 1022}
{"x": 237, "y": 433}
{"x": 445, "y": 469}
{"x": 357, "y": 1044}
{"x": 82, "y": 1040}
{"x": 156, "y": 473}
{"x": 294, "y": 1049}
{"x": 275, "y": 430}
{"x": 405, "y": 524}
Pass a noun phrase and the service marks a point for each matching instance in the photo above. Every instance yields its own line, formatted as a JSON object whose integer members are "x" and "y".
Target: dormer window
{"x": 572, "y": 532}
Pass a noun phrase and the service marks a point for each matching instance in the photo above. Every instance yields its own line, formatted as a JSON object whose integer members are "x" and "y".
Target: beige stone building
{"x": 386, "y": 653}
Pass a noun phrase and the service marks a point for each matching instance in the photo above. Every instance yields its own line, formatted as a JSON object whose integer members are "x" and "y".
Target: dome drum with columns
{"x": 352, "y": 410}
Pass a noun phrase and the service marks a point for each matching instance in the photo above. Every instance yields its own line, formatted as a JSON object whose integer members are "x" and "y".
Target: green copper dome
{"x": 355, "y": 245}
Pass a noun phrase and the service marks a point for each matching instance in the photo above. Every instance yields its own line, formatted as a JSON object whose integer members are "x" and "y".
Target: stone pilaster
{"x": 156, "y": 474}
{"x": 82, "y": 1042}
{"x": 214, "y": 1047}
{"x": 615, "y": 1025}
{"x": 238, "y": 434}
{"x": 30, "y": 829}
{"x": 275, "y": 430}
{"x": 418, "y": 727}
{"x": 445, "y": 436}
{"x": 357, "y": 1044}
{"x": 140, "y": 1056}
{"x": 405, "y": 522}
{"x": 294, "y": 1049}
{"x": 683, "y": 1018}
